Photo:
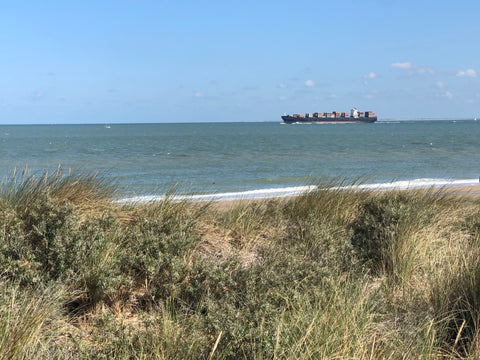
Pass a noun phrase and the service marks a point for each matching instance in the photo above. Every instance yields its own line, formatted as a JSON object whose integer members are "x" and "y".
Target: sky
{"x": 196, "y": 61}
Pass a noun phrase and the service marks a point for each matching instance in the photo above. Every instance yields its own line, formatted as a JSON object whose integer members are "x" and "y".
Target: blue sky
{"x": 182, "y": 61}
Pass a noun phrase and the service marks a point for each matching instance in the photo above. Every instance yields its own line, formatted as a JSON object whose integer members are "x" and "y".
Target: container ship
{"x": 334, "y": 117}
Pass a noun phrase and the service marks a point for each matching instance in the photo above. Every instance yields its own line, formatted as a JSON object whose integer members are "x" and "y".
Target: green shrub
{"x": 277, "y": 279}
{"x": 383, "y": 232}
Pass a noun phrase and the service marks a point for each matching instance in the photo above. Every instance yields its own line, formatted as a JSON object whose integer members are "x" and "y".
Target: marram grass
{"x": 334, "y": 274}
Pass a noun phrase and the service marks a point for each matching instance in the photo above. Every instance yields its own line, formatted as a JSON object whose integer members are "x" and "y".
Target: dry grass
{"x": 31, "y": 321}
{"x": 90, "y": 193}
{"x": 332, "y": 274}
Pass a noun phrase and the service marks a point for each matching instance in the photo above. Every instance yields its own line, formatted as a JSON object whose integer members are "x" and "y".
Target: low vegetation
{"x": 332, "y": 274}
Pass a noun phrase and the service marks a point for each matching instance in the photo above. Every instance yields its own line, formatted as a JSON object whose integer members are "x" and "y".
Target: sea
{"x": 225, "y": 161}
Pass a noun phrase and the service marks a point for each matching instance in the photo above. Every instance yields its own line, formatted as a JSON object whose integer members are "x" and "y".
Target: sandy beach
{"x": 470, "y": 192}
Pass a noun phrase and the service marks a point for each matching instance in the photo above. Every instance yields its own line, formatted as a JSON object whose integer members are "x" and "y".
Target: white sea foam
{"x": 417, "y": 184}
{"x": 243, "y": 195}
{"x": 299, "y": 190}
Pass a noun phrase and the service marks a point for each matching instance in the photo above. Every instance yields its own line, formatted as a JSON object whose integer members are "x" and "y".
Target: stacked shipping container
{"x": 335, "y": 114}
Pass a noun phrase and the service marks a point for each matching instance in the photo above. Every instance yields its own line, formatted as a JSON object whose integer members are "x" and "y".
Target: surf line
{"x": 297, "y": 190}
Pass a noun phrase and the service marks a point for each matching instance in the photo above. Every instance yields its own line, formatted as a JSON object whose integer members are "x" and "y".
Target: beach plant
{"x": 246, "y": 220}
{"x": 456, "y": 299}
{"x": 165, "y": 334}
{"x": 63, "y": 229}
{"x": 317, "y": 225}
{"x": 31, "y": 321}
{"x": 334, "y": 273}
{"x": 161, "y": 240}
{"x": 48, "y": 242}
{"x": 88, "y": 191}
{"x": 384, "y": 232}
{"x": 336, "y": 324}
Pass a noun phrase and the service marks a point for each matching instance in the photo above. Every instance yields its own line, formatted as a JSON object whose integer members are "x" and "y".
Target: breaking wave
{"x": 299, "y": 190}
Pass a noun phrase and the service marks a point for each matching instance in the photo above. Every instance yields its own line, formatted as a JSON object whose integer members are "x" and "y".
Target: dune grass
{"x": 335, "y": 274}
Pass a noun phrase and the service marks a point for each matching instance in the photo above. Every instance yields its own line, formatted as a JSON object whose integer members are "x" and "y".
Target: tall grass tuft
{"x": 384, "y": 232}
{"x": 456, "y": 299}
{"x": 87, "y": 191}
{"x": 30, "y": 321}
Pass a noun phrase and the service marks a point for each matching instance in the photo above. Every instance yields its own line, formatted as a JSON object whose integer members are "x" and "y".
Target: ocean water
{"x": 233, "y": 160}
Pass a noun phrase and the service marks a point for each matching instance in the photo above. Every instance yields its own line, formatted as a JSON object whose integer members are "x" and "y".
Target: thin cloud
{"x": 309, "y": 83}
{"x": 404, "y": 65}
{"x": 201, "y": 96}
{"x": 369, "y": 76}
{"x": 470, "y": 73}
{"x": 446, "y": 94}
{"x": 413, "y": 69}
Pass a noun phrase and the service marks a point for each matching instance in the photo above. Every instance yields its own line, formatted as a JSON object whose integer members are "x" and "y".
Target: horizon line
{"x": 225, "y": 122}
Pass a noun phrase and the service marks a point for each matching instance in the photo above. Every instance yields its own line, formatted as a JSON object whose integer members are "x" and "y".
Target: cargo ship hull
{"x": 287, "y": 119}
